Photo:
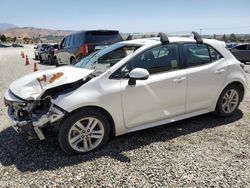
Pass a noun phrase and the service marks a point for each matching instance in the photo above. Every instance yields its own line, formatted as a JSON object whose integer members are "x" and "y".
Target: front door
{"x": 162, "y": 95}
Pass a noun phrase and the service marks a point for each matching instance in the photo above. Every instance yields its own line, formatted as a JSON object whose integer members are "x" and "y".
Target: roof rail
{"x": 197, "y": 37}
{"x": 163, "y": 38}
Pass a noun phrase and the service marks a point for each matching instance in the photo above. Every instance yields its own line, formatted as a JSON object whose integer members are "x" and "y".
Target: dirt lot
{"x": 204, "y": 151}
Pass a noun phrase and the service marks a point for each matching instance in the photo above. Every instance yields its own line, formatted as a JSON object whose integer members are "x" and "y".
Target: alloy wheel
{"x": 230, "y": 101}
{"x": 86, "y": 134}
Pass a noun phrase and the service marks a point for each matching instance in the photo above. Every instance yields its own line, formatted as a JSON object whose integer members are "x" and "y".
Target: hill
{"x": 30, "y": 32}
{"x": 6, "y": 26}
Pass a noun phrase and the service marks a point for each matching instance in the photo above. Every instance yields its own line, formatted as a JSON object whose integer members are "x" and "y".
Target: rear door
{"x": 206, "y": 71}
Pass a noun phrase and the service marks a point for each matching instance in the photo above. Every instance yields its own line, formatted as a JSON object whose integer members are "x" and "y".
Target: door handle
{"x": 219, "y": 71}
{"x": 179, "y": 80}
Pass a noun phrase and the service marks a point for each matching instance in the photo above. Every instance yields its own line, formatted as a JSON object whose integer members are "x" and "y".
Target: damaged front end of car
{"x": 30, "y": 117}
{"x": 32, "y": 114}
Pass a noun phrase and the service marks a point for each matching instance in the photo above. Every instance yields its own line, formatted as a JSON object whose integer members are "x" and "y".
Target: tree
{"x": 3, "y": 38}
{"x": 224, "y": 38}
{"x": 14, "y": 39}
{"x": 214, "y": 37}
{"x": 233, "y": 37}
{"x": 26, "y": 40}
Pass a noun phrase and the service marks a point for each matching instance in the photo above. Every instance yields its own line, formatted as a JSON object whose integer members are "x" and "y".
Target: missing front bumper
{"x": 33, "y": 128}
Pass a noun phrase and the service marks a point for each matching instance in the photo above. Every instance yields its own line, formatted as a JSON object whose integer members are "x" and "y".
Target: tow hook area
{"x": 28, "y": 129}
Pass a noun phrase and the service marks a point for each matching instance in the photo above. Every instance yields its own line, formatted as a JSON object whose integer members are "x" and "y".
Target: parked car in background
{"x": 38, "y": 49}
{"x": 47, "y": 56}
{"x": 126, "y": 87}
{"x": 15, "y": 45}
{"x": 3, "y": 45}
{"x": 231, "y": 45}
{"x": 80, "y": 44}
{"x": 241, "y": 52}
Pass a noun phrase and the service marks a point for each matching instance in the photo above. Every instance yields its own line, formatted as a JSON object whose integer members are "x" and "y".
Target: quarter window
{"x": 214, "y": 54}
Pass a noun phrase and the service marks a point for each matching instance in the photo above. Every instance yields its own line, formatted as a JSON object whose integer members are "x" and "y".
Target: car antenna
{"x": 197, "y": 37}
{"x": 163, "y": 38}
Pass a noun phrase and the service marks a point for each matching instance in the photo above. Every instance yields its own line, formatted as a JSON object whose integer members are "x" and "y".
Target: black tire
{"x": 72, "y": 60}
{"x": 219, "y": 109}
{"x": 49, "y": 60}
{"x": 71, "y": 120}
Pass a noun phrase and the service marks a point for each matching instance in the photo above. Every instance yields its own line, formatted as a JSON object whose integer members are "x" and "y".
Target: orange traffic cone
{"x": 27, "y": 60}
{"x": 22, "y": 54}
{"x": 35, "y": 67}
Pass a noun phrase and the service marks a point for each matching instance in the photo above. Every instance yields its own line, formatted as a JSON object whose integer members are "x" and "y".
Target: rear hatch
{"x": 99, "y": 39}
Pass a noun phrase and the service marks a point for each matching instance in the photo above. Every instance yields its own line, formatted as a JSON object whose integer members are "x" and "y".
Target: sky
{"x": 171, "y": 16}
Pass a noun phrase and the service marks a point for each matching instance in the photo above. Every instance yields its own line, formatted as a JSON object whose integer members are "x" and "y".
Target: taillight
{"x": 85, "y": 50}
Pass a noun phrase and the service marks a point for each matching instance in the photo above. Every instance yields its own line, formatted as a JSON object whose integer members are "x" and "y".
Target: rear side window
{"x": 199, "y": 54}
{"x": 107, "y": 38}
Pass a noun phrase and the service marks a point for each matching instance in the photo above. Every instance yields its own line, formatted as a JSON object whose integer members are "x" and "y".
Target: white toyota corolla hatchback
{"x": 128, "y": 86}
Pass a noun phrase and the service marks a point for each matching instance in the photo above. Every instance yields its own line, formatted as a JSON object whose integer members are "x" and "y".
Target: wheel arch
{"x": 71, "y": 59}
{"x": 99, "y": 109}
{"x": 240, "y": 85}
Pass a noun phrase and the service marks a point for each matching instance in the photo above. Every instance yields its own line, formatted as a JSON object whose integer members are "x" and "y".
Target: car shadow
{"x": 47, "y": 155}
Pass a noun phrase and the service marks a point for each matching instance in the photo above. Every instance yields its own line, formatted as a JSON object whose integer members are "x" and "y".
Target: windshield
{"x": 103, "y": 59}
{"x": 88, "y": 62}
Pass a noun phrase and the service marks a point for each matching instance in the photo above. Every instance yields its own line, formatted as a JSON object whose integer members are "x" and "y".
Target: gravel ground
{"x": 205, "y": 151}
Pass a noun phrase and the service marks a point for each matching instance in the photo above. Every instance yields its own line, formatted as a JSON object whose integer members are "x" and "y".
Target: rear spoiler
{"x": 103, "y": 32}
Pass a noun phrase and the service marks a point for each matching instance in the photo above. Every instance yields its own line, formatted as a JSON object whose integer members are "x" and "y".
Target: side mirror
{"x": 137, "y": 74}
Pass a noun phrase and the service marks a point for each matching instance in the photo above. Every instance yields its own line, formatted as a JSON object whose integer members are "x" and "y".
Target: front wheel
{"x": 83, "y": 131}
{"x": 229, "y": 101}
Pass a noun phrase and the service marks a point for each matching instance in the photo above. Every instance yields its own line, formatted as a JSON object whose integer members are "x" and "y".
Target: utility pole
{"x": 200, "y": 31}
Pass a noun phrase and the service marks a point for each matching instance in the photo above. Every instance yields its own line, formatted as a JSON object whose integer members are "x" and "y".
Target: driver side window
{"x": 156, "y": 60}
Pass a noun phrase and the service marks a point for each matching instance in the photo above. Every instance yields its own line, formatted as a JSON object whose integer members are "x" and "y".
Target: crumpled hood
{"x": 30, "y": 88}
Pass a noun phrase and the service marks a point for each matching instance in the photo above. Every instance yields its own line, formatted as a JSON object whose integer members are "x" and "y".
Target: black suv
{"x": 80, "y": 44}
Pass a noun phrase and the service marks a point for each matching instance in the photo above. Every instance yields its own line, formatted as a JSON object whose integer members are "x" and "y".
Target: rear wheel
{"x": 72, "y": 60}
{"x": 49, "y": 60}
{"x": 83, "y": 131}
{"x": 229, "y": 101}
